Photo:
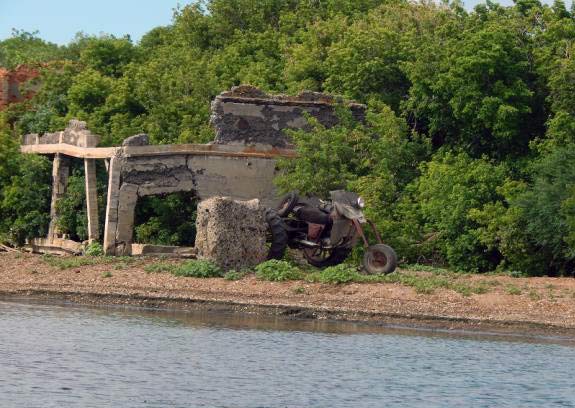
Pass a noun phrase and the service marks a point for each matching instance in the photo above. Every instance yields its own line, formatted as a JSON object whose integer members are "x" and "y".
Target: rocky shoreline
{"x": 501, "y": 311}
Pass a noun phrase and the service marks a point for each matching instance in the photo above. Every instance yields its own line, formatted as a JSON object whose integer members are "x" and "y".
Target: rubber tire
{"x": 337, "y": 256}
{"x": 291, "y": 198}
{"x": 279, "y": 236}
{"x": 390, "y": 255}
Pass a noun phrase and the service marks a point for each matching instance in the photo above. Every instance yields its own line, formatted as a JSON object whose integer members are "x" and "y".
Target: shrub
{"x": 198, "y": 269}
{"x": 24, "y": 194}
{"x": 452, "y": 186}
{"x": 277, "y": 271}
{"x": 94, "y": 249}
{"x": 166, "y": 219}
{"x": 72, "y": 215}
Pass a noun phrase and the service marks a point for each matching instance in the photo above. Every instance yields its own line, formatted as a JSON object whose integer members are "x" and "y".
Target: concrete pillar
{"x": 112, "y": 204}
{"x": 60, "y": 173}
{"x": 91, "y": 199}
{"x": 125, "y": 227}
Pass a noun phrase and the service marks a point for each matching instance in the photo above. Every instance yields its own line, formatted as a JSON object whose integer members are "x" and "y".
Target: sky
{"x": 58, "y": 21}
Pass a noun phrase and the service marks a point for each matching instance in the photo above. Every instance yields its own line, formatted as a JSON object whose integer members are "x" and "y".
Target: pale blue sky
{"x": 59, "y": 20}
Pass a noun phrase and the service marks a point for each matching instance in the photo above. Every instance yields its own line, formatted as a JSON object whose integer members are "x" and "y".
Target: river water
{"x": 61, "y": 355}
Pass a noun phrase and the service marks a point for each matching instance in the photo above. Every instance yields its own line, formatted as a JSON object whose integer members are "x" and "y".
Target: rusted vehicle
{"x": 327, "y": 231}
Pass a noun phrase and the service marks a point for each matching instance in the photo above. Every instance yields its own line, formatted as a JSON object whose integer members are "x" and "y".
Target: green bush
{"x": 451, "y": 187}
{"x": 198, "y": 269}
{"x": 73, "y": 218}
{"x": 277, "y": 271}
{"x": 94, "y": 249}
{"x": 166, "y": 220}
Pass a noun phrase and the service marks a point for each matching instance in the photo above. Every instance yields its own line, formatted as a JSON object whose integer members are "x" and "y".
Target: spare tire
{"x": 287, "y": 204}
{"x": 278, "y": 235}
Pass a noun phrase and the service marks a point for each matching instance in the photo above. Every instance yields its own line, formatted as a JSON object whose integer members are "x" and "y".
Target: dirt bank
{"x": 539, "y": 306}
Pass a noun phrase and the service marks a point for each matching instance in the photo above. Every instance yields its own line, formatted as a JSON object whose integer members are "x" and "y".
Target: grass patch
{"x": 198, "y": 269}
{"x": 120, "y": 266}
{"x": 299, "y": 290}
{"x": 160, "y": 267}
{"x": 107, "y": 274}
{"x": 515, "y": 274}
{"x": 190, "y": 269}
{"x": 427, "y": 268}
{"x": 338, "y": 274}
{"x": 513, "y": 290}
{"x": 77, "y": 261}
{"x": 277, "y": 271}
{"x": 421, "y": 284}
{"x": 533, "y": 295}
{"x": 234, "y": 275}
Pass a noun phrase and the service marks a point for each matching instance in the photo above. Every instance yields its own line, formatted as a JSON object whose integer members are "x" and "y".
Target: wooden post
{"x": 91, "y": 199}
{"x": 60, "y": 173}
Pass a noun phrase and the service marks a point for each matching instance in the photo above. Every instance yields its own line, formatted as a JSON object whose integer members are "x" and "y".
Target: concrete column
{"x": 125, "y": 227}
{"x": 60, "y": 173}
{"x": 111, "y": 222}
{"x": 91, "y": 199}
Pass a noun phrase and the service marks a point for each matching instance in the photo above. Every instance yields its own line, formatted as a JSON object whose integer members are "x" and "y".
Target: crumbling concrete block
{"x": 141, "y": 139}
{"x": 247, "y": 116}
{"x": 230, "y": 233}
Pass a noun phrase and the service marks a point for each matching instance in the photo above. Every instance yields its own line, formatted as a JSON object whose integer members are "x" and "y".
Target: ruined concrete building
{"x": 240, "y": 163}
{"x": 11, "y": 82}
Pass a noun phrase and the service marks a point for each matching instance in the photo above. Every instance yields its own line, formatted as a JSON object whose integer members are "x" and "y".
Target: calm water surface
{"x": 58, "y": 355}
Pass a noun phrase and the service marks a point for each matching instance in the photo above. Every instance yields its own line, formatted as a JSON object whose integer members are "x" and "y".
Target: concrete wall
{"x": 247, "y": 116}
{"x": 240, "y": 178}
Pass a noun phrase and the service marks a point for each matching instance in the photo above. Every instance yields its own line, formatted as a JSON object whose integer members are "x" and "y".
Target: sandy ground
{"x": 544, "y": 306}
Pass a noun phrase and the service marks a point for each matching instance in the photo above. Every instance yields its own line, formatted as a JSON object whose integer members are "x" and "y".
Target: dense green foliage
{"x": 466, "y": 157}
{"x": 166, "y": 220}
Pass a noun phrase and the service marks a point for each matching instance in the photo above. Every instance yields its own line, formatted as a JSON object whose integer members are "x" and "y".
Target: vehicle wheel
{"x": 287, "y": 204}
{"x": 321, "y": 258}
{"x": 278, "y": 235}
{"x": 379, "y": 259}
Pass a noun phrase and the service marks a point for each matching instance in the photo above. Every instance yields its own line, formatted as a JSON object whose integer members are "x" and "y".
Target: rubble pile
{"x": 230, "y": 233}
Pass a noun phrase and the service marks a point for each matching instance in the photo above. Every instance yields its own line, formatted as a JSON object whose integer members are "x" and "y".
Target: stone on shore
{"x": 230, "y": 233}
